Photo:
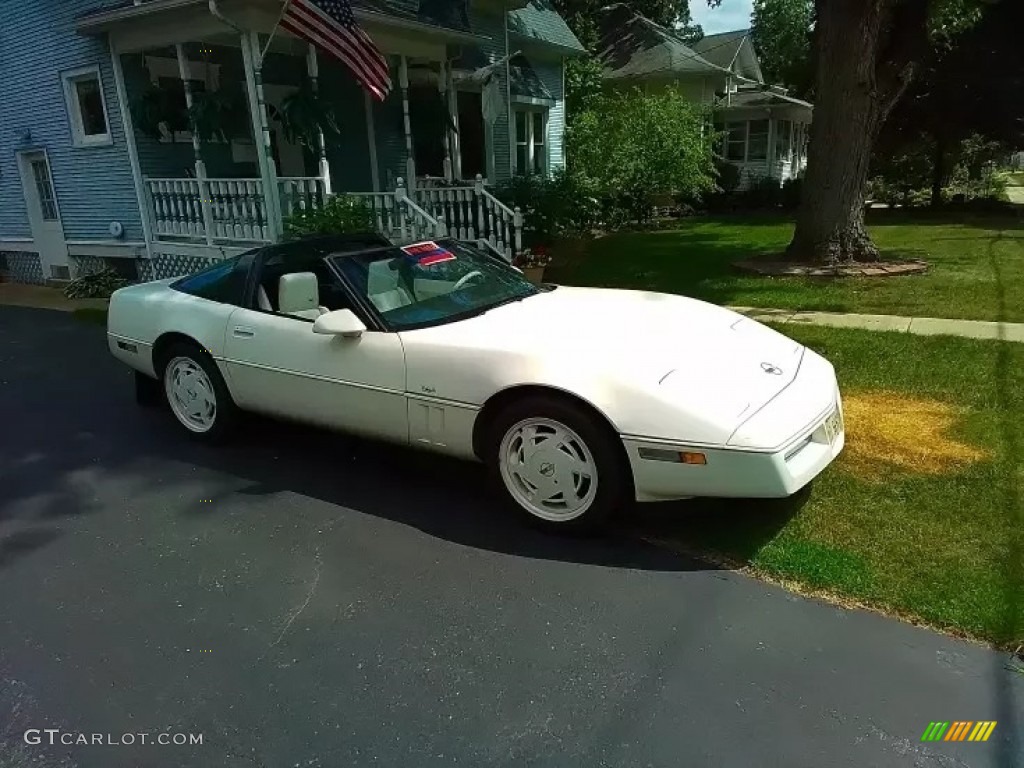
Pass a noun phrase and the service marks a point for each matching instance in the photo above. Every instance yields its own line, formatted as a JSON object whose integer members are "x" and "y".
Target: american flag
{"x": 331, "y": 26}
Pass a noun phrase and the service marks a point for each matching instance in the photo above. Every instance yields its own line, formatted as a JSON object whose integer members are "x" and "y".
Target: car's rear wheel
{"x": 557, "y": 464}
{"x": 197, "y": 394}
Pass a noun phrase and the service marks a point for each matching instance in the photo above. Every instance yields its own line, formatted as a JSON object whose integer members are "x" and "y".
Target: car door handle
{"x": 243, "y": 332}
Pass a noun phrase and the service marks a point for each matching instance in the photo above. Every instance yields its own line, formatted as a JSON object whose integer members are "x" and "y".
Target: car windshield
{"x": 431, "y": 283}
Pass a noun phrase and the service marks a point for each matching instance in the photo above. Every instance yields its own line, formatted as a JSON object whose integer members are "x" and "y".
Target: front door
{"x": 277, "y": 365}
{"x": 43, "y": 214}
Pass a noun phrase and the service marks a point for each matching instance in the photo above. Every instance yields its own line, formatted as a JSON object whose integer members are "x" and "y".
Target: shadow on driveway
{"x": 78, "y": 422}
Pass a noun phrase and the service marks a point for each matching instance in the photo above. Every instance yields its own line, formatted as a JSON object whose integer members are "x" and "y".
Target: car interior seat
{"x": 298, "y": 295}
{"x": 262, "y": 300}
{"x": 385, "y": 289}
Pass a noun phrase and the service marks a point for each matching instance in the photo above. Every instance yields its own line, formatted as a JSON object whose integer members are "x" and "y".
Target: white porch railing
{"x": 235, "y": 210}
{"x": 473, "y": 213}
{"x": 217, "y": 210}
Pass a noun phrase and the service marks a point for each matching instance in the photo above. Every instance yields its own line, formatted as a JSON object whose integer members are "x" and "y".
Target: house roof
{"x": 632, "y": 46}
{"x": 540, "y": 22}
{"x": 764, "y": 98}
{"x": 446, "y": 17}
{"x": 438, "y": 13}
{"x": 722, "y": 48}
{"x": 732, "y": 50}
{"x": 525, "y": 81}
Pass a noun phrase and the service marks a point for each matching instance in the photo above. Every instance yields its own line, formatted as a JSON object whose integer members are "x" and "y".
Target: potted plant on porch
{"x": 532, "y": 262}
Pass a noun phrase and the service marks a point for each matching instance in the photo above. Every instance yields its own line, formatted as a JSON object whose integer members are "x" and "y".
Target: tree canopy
{"x": 782, "y": 37}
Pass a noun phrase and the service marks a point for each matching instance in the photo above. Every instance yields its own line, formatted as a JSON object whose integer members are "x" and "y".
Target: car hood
{"x": 685, "y": 350}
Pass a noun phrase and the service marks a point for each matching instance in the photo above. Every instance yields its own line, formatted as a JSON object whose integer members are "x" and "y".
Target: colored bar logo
{"x": 959, "y": 730}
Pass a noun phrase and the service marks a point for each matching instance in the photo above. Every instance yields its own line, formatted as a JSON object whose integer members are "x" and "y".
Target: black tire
{"x": 226, "y": 412}
{"x": 614, "y": 483}
{"x": 148, "y": 391}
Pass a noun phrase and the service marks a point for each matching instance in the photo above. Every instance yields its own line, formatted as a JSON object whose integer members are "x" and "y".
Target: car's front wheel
{"x": 197, "y": 394}
{"x": 557, "y": 463}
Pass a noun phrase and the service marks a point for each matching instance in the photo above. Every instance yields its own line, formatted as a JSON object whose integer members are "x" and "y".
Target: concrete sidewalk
{"x": 923, "y": 326}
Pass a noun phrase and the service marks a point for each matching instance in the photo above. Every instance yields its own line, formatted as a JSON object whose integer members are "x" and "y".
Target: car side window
{"x": 223, "y": 281}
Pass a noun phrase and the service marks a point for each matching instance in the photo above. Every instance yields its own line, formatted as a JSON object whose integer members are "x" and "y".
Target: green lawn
{"x": 947, "y": 548}
{"x": 977, "y": 267}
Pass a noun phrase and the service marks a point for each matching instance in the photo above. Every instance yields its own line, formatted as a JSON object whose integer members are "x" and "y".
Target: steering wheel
{"x": 466, "y": 278}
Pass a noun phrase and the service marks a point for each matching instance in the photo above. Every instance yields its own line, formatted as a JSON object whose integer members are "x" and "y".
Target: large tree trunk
{"x": 861, "y": 72}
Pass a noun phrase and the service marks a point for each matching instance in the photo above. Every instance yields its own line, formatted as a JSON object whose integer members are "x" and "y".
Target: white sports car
{"x": 577, "y": 399}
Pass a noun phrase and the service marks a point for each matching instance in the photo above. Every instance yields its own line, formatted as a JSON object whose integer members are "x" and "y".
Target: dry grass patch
{"x": 910, "y": 433}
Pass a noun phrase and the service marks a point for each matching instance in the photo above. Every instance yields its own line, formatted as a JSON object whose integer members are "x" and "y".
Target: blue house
{"x": 153, "y": 136}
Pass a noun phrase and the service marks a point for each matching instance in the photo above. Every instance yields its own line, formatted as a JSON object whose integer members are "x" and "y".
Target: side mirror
{"x": 341, "y": 322}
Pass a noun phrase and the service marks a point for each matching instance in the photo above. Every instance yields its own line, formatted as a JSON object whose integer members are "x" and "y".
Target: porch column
{"x": 261, "y": 132}
{"x": 410, "y": 163}
{"x": 145, "y": 209}
{"x": 770, "y": 154}
{"x": 313, "y": 70}
{"x": 371, "y": 141}
{"x": 442, "y": 88}
{"x": 184, "y": 72}
{"x": 453, "y": 110}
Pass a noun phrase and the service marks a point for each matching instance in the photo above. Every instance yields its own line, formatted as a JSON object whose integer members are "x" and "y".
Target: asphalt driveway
{"x": 301, "y": 599}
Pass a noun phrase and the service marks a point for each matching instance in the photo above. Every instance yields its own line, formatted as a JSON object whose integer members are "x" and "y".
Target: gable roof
{"x": 633, "y": 46}
{"x": 539, "y": 21}
{"x": 722, "y": 47}
{"x": 732, "y": 50}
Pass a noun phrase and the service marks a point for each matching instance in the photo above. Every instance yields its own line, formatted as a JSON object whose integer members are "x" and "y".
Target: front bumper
{"x": 734, "y": 473}
{"x": 766, "y": 457}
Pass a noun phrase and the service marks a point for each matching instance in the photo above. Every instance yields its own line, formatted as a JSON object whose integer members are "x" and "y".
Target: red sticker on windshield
{"x": 429, "y": 253}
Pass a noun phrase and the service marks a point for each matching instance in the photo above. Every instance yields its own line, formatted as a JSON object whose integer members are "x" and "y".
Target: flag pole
{"x": 263, "y": 54}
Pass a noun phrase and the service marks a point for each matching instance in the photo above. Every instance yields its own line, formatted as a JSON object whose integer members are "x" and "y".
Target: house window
{"x": 531, "y": 141}
{"x": 758, "y": 140}
{"x": 783, "y": 140}
{"x": 736, "y": 142}
{"x": 87, "y": 109}
{"x": 44, "y": 190}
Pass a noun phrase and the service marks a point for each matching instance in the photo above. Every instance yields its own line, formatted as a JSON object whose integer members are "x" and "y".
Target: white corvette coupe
{"x": 577, "y": 399}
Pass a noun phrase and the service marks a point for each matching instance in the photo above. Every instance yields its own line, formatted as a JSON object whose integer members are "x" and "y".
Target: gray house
{"x": 99, "y": 167}
{"x": 766, "y": 129}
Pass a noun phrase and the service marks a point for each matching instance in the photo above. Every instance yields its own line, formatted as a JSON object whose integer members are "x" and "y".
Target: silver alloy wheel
{"x": 548, "y": 469}
{"x": 191, "y": 394}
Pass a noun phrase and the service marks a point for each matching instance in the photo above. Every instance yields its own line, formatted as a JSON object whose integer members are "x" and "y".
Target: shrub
{"x": 340, "y": 214}
{"x": 96, "y": 285}
{"x": 554, "y": 207}
{"x": 792, "y": 188}
{"x": 728, "y": 174}
{"x": 630, "y": 147}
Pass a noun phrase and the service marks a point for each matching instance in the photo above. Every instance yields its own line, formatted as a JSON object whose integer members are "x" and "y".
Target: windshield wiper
{"x": 503, "y": 302}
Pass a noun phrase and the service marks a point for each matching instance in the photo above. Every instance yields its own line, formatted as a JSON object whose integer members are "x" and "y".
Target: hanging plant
{"x": 305, "y": 114}
{"x": 218, "y": 115}
{"x": 158, "y": 109}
